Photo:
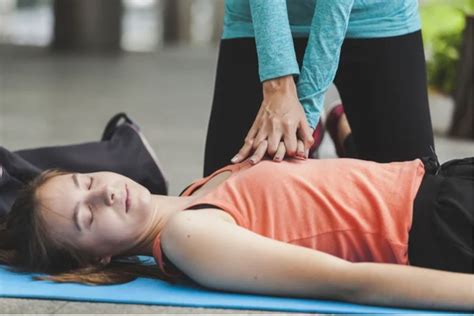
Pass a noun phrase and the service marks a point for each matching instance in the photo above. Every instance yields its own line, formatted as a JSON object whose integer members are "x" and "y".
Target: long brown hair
{"x": 26, "y": 246}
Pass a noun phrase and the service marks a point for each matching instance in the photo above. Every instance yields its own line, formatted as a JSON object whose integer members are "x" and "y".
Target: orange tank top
{"x": 353, "y": 209}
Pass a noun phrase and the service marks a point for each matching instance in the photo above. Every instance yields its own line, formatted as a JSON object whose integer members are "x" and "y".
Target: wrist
{"x": 280, "y": 84}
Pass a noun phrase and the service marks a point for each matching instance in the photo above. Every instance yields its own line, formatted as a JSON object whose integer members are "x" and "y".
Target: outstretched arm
{"x": 224, "y": 256}
{"x": 409, "y": 286}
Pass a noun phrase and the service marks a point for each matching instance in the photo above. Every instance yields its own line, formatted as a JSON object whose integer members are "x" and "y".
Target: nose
{"x": 105, "y": 194}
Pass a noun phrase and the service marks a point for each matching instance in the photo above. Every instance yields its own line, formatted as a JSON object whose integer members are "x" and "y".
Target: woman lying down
{"x": 345, "y": 229}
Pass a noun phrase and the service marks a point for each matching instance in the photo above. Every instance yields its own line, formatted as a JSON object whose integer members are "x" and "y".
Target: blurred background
{"x": 66, "y": 66}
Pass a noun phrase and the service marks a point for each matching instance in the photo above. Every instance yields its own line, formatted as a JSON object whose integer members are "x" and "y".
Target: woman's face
{"x": 102, "y": 213}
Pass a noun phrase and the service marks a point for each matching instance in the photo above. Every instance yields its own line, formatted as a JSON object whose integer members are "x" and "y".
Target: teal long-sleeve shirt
{"x": 326, "y": 23}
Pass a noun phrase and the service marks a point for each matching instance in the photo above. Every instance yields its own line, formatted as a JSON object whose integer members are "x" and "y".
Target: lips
{"x": 127, "y": 199}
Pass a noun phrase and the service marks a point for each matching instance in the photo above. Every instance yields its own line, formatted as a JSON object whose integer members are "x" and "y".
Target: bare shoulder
{"x": 210, "y": 218}
{"x": 187, "y": 233}
{"x": 212, "y": 213}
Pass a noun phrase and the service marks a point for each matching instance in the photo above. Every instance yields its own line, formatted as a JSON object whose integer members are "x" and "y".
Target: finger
{"x": 252, "y": 132}
{"x": 244, "y": 151}
{"x": 290, "y": 144}
{"x": 260, "y": 137}
{"x": 290, "y": 139}
{"x": 300, "y": 151}
{"x": 280, "y": 153}
{"x": 273, "y": 143}
{"x": 259, "y": 152}
{"x": 305, "y": 133}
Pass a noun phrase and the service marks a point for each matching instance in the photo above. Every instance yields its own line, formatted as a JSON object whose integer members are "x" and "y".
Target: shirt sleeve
{"x": 321, "y": 59}
{"x": 275, "y": 48}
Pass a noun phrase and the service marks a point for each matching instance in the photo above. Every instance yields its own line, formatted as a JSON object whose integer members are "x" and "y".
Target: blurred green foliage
{"x": 443, "y": 23}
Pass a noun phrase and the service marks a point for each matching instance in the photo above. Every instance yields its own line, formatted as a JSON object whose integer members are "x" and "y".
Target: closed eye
{"x": 90, "y": 208}
{"x": 92, "y": 215}
{"x": 90, "y": 184}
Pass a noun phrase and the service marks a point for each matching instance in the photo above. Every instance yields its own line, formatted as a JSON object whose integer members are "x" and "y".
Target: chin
{"x": 141, "y": 201}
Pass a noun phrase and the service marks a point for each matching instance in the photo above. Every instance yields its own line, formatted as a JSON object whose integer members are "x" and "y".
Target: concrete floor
{"x": 50, "y": 99}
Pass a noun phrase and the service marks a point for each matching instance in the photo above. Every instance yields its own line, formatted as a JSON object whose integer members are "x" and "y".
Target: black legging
{"x": 382, "y": 83}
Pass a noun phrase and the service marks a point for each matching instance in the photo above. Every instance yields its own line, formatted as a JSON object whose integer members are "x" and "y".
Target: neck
{"x": 164, "y": 208}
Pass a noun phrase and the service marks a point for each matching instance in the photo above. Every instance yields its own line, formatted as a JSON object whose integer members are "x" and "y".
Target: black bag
{"x": 123, "y": 149}
{"x": 462, "y": 168}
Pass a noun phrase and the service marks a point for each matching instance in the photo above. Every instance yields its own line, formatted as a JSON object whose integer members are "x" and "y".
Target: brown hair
{"x": 26, "y": 246}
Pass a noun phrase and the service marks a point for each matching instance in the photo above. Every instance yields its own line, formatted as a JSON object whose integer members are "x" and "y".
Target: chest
{"x": 211, "y": 184}
{"x": 206, "y": 188}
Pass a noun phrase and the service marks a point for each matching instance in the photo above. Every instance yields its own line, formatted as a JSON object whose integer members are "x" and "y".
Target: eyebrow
{"x": 76, "y": 181}
{"x": 76, "y": 208}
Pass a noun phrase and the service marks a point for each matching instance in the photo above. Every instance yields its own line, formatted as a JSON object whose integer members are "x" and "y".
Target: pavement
{"x": 53, "y": 99}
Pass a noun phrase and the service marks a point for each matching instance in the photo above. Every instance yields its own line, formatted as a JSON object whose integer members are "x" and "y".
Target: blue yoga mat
{"x": 157, "y": 292}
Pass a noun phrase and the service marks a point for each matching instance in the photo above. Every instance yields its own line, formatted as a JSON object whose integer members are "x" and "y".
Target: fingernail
{"x": 277, "y": 158}
{"x": 252, "y": 161}
{"x": 235, "y": 159}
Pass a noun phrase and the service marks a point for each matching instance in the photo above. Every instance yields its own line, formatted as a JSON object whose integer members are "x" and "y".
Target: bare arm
{"x": 409, "y": 286}
{"x": 224, "y": 256}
